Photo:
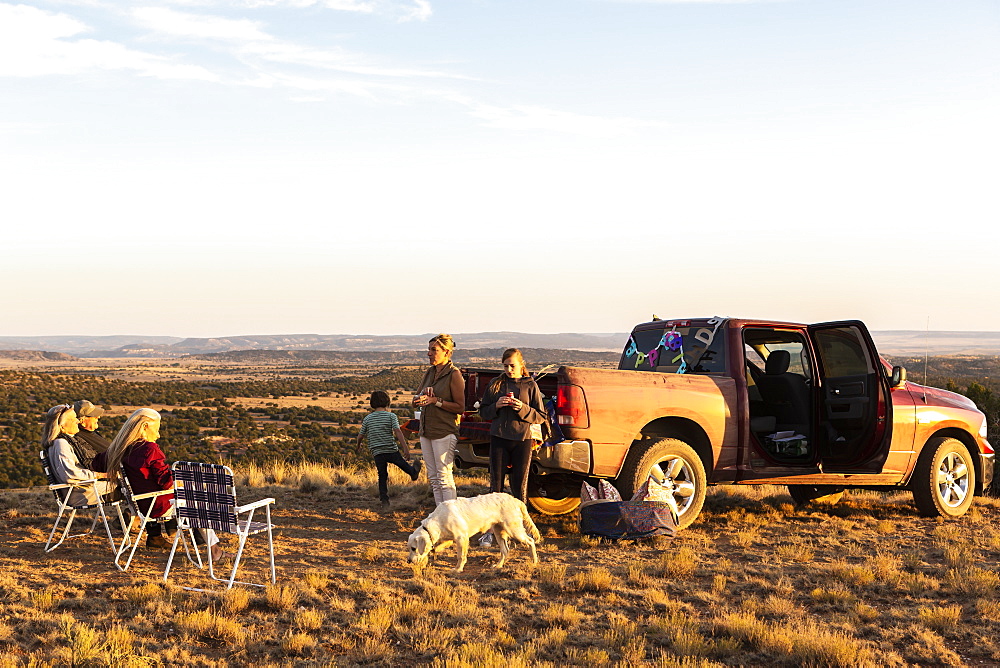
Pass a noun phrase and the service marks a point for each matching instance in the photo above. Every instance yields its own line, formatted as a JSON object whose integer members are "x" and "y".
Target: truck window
{"x": 697, "y": 346}
{"x": 841, "y": 353}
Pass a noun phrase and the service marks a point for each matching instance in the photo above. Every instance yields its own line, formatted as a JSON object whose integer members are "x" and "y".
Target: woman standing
{"x": 141, "y": 460}
{"x": 67, "y": 456}
{"x": 513, "y": 402}
{"x": 441, "y": 397}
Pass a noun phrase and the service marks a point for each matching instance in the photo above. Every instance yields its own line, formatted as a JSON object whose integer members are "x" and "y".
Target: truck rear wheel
{"x": 673, "y": 463}
{"x": 944, "y": 480}
{"x": 551, "y": 495}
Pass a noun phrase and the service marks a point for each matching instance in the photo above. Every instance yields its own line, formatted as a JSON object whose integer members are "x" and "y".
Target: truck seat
{"x": 786, "y": 394}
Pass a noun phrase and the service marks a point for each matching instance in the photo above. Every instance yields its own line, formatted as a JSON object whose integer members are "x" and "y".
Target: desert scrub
{"x": 281, "y": 597}
{"x": 552, "y": 576}
{"x": 852, "y": 574}
{"x": 297, "y": 642}
{"x": 44, "y": 600}
{"x": 635, "y": 573}
{"x": 209, "y": 624}
{"x": 940, "y": 618}
{"x": 431, "y": 636}
{"x": 562, "y": 614}
{"x": 374, "y": 622}
{"x": 795, "y": 550}
{"x": 82, "y": 643}
{"x": 235, "y": 600}
{"x": 916, "y": 583}
{"x": 594, "y": 579}
{"x": 481, "y": 655}
{"x": 836, "y": 594}
{"x": 799, "y": 642}
{"x": 745, "y": 537}
{"x": 679, "y": 563}
{"x": 142, "y": 594}
{"x": 620, "y": 629}
{"x": 973, "y": 580}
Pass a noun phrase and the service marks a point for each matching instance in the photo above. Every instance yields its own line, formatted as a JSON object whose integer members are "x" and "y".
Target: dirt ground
{"x": 755, "y": 581}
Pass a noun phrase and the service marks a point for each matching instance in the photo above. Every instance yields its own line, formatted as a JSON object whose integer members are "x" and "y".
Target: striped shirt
{"x": 378, "y": 427}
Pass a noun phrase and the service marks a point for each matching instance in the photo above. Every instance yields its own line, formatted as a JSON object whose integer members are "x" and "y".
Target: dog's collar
{"x": 427, "y": 532}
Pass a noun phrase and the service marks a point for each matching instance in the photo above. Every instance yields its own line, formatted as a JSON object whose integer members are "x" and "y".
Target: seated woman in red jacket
{"x": 134, "y": 449}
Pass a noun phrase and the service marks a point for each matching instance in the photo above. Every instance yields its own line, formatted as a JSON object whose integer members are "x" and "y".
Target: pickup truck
{"x": 700, "y": 402}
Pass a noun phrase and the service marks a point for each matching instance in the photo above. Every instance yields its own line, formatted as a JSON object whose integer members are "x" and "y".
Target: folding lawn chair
{"x": 139, "y": 517}
{"x": 62, "y": 492}
{"x": 205, "y": 498}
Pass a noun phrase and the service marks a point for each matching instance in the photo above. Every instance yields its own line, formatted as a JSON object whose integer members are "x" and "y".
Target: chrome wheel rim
{"x": 677, "y": 475}
{"x": 952, "y": 480}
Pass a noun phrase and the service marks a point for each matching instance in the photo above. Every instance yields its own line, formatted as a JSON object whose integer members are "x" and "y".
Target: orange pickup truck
{"x": 699, "y": 402}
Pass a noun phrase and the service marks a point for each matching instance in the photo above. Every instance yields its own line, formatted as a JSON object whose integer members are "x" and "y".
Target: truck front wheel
{"x": 944, "y": 479}
{"x": 672, "y": 463}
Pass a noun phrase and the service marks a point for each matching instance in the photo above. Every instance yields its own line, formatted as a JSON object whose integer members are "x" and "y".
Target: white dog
{"x": 460, "y": 519}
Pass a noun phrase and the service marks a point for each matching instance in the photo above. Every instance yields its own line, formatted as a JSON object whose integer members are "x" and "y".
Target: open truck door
{"x": 855, "y": 411}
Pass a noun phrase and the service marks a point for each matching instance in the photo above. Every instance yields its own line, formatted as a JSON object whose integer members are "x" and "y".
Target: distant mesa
{"x": 475, "y": 357}
{"x": 35, "y": 356}
{"x": 905, "y": 342}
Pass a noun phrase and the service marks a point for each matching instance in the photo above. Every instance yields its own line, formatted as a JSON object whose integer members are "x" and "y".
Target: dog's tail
{"x": 532, "y": 529}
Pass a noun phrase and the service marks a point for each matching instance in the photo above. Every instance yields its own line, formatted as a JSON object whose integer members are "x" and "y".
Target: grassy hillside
{"x": 754, "y": 582}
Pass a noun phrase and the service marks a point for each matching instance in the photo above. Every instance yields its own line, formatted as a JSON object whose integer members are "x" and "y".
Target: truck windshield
{"x": 678, "y": 346}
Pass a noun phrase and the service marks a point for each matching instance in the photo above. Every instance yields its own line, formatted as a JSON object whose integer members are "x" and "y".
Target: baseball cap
{"x": 84, "y": 409}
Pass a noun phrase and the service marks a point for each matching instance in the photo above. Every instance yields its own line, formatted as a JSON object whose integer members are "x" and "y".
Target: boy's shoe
{"x": 417, "y": 465}
{"x": 486, "y": 540}
{"x": 385, "y": 504}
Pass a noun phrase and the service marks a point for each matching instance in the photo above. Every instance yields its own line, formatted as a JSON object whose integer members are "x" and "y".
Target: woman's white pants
{"x": 439, "y": 457}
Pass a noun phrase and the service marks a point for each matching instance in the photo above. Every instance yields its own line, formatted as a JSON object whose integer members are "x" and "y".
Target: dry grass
{"x": 754, "y": 582}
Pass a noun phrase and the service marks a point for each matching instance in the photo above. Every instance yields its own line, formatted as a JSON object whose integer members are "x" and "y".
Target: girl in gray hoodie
{"x": 513, "y": 402}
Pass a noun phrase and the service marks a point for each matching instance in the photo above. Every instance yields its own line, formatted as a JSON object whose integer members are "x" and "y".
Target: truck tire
{"x": 552, "y": 498}
{"x": 944, "y": 480}
{"x": 826, "y": 495}
{"x": 672, "y": 462}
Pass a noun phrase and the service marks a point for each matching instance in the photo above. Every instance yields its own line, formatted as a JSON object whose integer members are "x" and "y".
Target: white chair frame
{"x": 190, "y": 481}
{"x": 142, "y": 518}
{"x": 62, "y": 492}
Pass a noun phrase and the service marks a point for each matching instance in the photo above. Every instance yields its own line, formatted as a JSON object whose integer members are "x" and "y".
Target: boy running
{"x": 381, "y": 427}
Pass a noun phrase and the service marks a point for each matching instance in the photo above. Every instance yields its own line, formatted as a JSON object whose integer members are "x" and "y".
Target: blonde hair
{"x": 54, "y": 419}
{"x": 509, "y": 354}
{"x": 445, "y": 342}
{"x": 130, "y": 433}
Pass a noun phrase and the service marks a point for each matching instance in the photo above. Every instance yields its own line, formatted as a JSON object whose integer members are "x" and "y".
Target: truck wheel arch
{"x": 970, "y": 444}
{"x": 682, "y": 429}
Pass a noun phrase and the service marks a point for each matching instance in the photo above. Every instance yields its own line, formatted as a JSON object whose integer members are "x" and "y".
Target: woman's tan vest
{"x": 435, "y": 422}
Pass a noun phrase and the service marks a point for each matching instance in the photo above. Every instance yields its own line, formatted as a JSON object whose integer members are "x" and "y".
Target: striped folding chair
{"x": 62, "y": 492}
{"x": 139, "y": 519}
{"x": 205, "y": 498}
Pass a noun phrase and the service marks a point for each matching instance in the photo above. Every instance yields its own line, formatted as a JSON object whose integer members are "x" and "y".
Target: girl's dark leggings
{"x": 515, "y": 454}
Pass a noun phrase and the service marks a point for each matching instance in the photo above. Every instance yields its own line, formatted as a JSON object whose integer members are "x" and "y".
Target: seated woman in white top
{"x": 65, "y": 455}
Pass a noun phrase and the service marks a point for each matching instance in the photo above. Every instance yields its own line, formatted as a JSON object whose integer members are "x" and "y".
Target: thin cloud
{"x": 34, "y": 42}
{"x": 255, "y": 47}
{"x": 414, "y": 10}
{"x": 182, "y": 24}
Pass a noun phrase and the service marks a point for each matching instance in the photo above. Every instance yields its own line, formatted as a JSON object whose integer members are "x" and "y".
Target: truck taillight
{"x": 571, "y": 406}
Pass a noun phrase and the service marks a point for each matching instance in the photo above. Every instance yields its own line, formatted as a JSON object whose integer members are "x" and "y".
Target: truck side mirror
{"x": 898, "y": 376}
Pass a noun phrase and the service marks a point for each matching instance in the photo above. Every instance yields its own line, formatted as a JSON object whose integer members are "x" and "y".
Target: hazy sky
{"x": 223, "y": 167}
